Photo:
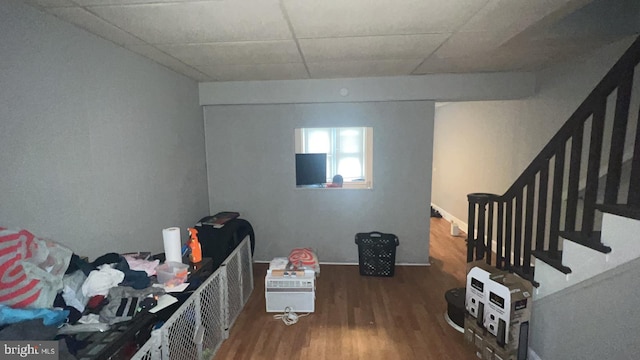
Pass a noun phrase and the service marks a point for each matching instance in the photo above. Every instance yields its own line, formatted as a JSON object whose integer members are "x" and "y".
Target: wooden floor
{"x": 358, "y": 317}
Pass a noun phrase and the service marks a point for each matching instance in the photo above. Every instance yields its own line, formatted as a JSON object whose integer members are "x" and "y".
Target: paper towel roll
{"x": 172, "y": 244}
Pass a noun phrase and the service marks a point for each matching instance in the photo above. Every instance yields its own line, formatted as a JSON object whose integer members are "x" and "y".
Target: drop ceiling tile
{"x": 519, "y": 54}
{"x": 329, "y": 18}
{"x": 493, "y": 61}
{"x": 499, "y": 15}
{"x": 255, "y": 72}
{"x": 507, "y": 18}
{"x": 125, "y": 2}
{"x": 247, "y": 52}
{"x": 436, "y": 65}
{"x": 338, "y": 69}
{"x": 537, "y": 54}
{"x": 251, "y": 39}
{"x": 158, "y": 56}
{"x": 50, "y": 3}
{"x": 202, "y": 21}
{"x": 596, "y": 19}
{"x": 95, "y": 25}
{"x": 151, "y": 52}
{"x": 371, "y": 47}
{"x": 191, "y": 73}
{"x": 468, "y": 44}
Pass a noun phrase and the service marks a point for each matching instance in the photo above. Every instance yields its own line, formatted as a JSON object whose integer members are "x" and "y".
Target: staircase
{"x": 618, "y": 232}
{"x": 561, "y": 221}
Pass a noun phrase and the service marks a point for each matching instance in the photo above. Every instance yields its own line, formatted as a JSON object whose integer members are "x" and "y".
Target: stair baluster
{"x": 509, "y": 219}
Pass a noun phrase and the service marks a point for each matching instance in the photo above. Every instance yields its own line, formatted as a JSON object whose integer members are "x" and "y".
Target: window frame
{"x": 366, "y": 155}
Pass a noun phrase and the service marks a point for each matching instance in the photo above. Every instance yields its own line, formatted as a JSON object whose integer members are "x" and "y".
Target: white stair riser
{"x": 623, "y": 236}
{"x": 619, "y": 233}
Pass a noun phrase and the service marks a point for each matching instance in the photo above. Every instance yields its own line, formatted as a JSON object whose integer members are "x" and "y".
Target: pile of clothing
{"x": 44, "y": 286}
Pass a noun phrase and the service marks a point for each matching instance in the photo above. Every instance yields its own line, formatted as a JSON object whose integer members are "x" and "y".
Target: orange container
{"x": 194, "y": 244}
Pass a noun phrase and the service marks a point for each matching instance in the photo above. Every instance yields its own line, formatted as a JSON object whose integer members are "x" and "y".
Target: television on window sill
{"x": 311, "y": 170}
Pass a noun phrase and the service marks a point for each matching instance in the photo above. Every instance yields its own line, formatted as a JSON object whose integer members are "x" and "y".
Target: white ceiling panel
{"x": 501, "y": 15}
{"x": 503, "y": 59}
{"x": 518, "y": 57}
{"x": 371, "y": 47}
{"x": 256, "y": 72}
{"x": 197, "y": 22}
{"x": 237, "y": 40}
{"x": 506, "y": 18}
{"x": 190, "y": 72}
{"x": 50, "y": 3}
{"x": 329, "y": 18}
{"x": 346, "y": 69}
{"x": 247, "y": 52}
{"x": 468, "y": 44}
{"x": 168, "y": 61}
{"x": 126, "y": 2}
{"x": 436, "y": 65}
{"x": 95, "y": 25}
{"x": 535, "y": 54}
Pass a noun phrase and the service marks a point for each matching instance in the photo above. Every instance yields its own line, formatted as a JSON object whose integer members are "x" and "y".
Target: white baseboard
{"x": 338, "y": 263}
{"x": 447, "y": 216}
{"x": 349, "y": 263}
{"x": 462, "y": 225}
{"x": 355, "y": 263}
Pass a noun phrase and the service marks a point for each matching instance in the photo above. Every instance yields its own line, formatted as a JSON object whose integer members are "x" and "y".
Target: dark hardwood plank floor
{"x": 357, "y": 317}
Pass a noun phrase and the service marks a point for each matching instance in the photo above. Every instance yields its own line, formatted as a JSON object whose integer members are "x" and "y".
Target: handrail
{"x": 608, "y": 83}
{"x": 545, "y": 201}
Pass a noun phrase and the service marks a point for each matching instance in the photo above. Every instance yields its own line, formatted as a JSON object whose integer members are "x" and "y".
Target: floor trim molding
{"x": 446, "y": 215}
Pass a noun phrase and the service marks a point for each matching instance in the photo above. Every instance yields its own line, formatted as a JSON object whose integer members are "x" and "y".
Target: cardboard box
{"x": 507, "y": 316}
{"x": 478, "y": 276}
{"x": 498, "y": 310}
{"x": 474, "y": 334}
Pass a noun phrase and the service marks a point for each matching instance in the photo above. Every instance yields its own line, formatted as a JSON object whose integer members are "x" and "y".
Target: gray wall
{"x": 100, "y": 149}
{"x": 250, "y": 166}
{"x": 596, "y": 319}
{"x": 484, "y": 146}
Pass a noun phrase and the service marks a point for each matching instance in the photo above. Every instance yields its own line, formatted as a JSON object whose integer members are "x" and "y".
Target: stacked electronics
{"x": 498, "y": 310}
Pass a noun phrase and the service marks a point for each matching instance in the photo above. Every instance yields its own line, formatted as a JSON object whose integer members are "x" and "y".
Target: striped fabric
{"x": 304, "y": 258}
{"x": 31, "y": 269}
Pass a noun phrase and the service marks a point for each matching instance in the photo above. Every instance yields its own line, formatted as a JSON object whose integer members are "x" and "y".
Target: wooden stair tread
{"x": 621, "y": 210}
{"x": 556, "y": 263}
{"x": 592, "y": 240}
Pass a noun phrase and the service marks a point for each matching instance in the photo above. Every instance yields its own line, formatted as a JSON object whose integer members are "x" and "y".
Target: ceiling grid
{"x": 248, "y": 40}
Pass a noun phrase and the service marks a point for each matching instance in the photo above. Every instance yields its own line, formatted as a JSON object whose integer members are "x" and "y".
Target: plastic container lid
{"x": 172, "y": 273}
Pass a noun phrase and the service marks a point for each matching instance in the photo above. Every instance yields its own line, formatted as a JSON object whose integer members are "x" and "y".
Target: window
{"x": 348, "y": 149}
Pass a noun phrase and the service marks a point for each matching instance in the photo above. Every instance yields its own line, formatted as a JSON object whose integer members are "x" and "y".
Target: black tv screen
{"x": 311, "y": 169}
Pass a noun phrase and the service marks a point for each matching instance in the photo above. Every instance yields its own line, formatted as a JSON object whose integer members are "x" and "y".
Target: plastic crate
{"x": 377, "y": 253}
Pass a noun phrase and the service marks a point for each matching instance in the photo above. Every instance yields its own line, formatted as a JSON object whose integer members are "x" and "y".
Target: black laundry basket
{"x": 377, "y": 253}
